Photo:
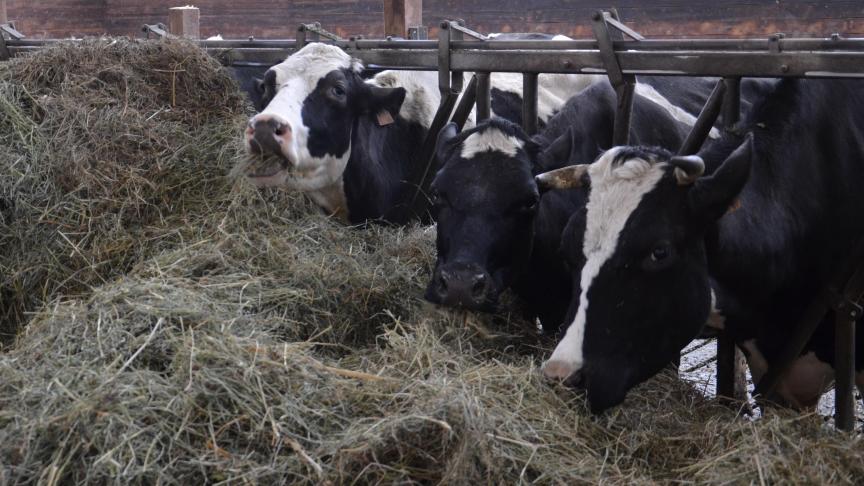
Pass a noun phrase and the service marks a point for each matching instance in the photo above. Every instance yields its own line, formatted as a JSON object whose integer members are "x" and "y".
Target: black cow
{"x": 660, "y": 243}
{"x": 348, "y": 142}
{"x": 495, "y": 231}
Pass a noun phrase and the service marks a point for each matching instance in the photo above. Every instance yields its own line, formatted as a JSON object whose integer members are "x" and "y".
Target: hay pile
{"x": 108, "y": 152}
{"x": 270, "y": 345}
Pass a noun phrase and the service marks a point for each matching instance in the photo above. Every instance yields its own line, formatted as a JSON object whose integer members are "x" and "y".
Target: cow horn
{"x": 564, "y": 178}
{"x": 688, "y": 168}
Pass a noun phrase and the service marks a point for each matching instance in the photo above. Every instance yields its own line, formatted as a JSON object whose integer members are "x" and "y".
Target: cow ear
{"x": 442, "y": 145}
{"x": 713, "y": 195}
{"x": 377, "y": 99}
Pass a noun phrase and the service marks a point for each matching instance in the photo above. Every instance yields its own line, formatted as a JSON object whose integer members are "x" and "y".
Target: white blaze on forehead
{"x": 648, "y": 92}
{"x": 490, "y": 139}
{"x": 616, "y": 191}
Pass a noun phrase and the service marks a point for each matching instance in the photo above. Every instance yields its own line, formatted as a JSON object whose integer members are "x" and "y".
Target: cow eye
{"x": 661, "y": 256}
{"x": 337, "y": 91}
{"x": 529, "y": 205}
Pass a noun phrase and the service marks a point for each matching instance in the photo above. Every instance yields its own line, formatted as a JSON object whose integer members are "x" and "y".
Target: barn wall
{"x": 278, "y": 19}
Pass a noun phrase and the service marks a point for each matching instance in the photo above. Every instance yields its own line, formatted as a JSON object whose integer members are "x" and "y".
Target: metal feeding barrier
{"x": 458, "y": 50}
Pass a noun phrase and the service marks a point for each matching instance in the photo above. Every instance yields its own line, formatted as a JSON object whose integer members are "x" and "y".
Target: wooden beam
{"x": 399, "y": 15}
{"x": 185, "y": 22}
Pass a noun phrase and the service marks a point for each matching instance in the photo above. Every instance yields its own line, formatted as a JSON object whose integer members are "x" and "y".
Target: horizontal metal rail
{"x": 808, "y": 58}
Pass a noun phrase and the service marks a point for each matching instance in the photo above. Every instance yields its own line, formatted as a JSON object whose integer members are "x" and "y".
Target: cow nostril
{"x": 280, "y": 130}
{"x": 442, "y": 285}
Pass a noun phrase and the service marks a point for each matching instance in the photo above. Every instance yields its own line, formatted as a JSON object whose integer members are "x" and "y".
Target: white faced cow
{"x": 658, "y": 245}
{"x": 348, "y": 142}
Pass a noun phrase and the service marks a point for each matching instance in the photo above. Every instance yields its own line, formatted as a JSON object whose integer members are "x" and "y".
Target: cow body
{"x": 348, "y": 142}
{"x": 494, "y": 233}
{"x": 660, "y": 245}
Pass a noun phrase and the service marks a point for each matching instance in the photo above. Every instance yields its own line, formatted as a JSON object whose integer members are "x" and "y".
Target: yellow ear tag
{"x": 384, "y": 118}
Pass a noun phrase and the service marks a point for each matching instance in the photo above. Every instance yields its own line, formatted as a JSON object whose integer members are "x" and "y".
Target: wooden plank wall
{"x": 279, "y": 18}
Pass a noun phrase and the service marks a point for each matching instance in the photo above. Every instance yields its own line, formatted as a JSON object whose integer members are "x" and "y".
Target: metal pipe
{"x": 466, "y": 103}
{"x": 623, "y": 112}
{"x": 484, "y": 97}
{"x": 705, "y": 121}
{"x": 731, "y": 103}
{"x": 844, "y": 366}
{"x": 529, "y": 103}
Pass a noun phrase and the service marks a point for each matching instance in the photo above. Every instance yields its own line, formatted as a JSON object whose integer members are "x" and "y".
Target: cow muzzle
{"x": 465, "y": 285}
{"x": 268, "y": 135}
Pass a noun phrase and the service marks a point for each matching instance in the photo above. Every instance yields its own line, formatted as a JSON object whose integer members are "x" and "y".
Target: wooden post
{"x": 399, "y": 15}
{"x": 185, "y": 22}
{"x": 4, "y": 18}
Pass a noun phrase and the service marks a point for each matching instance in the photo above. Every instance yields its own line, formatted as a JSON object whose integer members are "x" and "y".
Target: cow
{"x": 348, "y": 142}
{"x": 748, "y": 231}
{"x": 496, "y": 231}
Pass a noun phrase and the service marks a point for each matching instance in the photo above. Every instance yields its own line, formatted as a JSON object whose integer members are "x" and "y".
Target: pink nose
{"x": 558, "y": 370}
{"x": 267, "y": 134}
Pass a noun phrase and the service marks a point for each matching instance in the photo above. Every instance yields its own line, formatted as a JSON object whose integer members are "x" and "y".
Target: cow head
{"x": 485, "y": 200}
{"x": 301, "y": 138}
{"x": 641, "y": 290}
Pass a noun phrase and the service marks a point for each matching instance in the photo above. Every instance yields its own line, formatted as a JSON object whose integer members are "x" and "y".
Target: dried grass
{"x": 244, "y": 338}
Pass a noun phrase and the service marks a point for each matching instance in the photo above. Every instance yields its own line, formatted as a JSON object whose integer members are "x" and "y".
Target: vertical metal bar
{"x": 731, "y": 103}
{"x": 844, "y": 368}
{"x": 457, "y": 80}
{"x": 484, "y": 97}
{"x": 731, "y": 380}
{"x": 444, "y": 59}
{"x": 301, "y": 37}
{"x": 529, "y": 103}
{"x": 621, "y": 132}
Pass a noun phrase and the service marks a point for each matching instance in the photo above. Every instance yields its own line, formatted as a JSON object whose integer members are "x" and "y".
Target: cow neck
{"x": 374, "y": 176}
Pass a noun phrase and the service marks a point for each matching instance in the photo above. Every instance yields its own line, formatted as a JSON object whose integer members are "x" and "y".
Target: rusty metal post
{"x": 484, "y": 97}
{"x": 707, "y": 117}
{"x": 844, "y": 365}
{"x": 401, "y": 15}
{"x": 185, "y": 22}
{"x": 731, "y": 103}
{"x": 529, "y": 103}
{"x": 625, "y": 85}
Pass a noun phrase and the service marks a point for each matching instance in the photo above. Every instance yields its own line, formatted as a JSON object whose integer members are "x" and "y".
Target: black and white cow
{"x": 348, "y": 142}
{"x": 659, "y": 244}
{"x": 496, "y": 231}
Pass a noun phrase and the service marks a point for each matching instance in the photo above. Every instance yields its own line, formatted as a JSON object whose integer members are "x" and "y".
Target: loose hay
{"x": 270, "y": 345}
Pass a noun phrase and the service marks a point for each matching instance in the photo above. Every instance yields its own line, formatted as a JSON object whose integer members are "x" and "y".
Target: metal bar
{"x": 624, "y": 85}
{"x": 476, "y": 35}
{"x": 443, "y": 66}
{"x": 529, "y": 103}
{"x": 421, "y": 167}
{"x": 811, "y": 318}
{"x": 623, "y": 112}
{"x": 484, "y": 97}
{"x": 10, "y": 31}
{"x": 612, "y": 21}
{"x": 844, "y": 366}
{"x": 457, "y": 80}
{"x": 703, "y": 46}
{"x": 466, "y": 103}
{"x": 731, "y": 103}
{"x": 300, "y": 40}
{"x": 707, "y": 117}
{"x": 731, "y": 379}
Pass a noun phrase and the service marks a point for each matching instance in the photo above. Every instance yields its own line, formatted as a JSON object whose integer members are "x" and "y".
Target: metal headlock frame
{"x": 451, "y": 55}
